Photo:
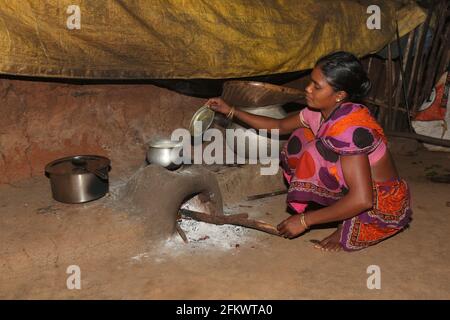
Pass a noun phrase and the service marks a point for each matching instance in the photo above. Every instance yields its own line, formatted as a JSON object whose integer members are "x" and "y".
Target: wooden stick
{"x": 408, "y": 65}
{"x": 181, "y": 233}
{"x": 434, "y": 50}
{"x": 402, "y": 77}
{"x": 384, "y": 105}
{"x": 369, "y": 65}
{"x": 413, "y": 74}
{"x": 422, "y": 138}
{"x": 422, "y": 61}
{"x": 389, "y": 87}
{"x": 265, "y": 195}
{"x": 384, "y": 112}
{"x": 446, "y": 55}
{"x": 235, "y": 219}
{"x": 374, "y": 93}
{"x": 441, "y": 179}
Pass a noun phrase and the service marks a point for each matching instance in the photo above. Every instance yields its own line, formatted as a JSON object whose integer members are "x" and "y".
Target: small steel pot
{"x": 164, "y": 152}
{"x": 78, "y": 179}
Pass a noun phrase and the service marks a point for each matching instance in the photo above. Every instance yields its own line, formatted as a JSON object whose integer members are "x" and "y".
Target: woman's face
{"x": 319, "y": 94}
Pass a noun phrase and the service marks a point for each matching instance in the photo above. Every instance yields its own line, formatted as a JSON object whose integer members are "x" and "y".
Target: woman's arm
{"x": 356, "y": 169}
{"x": 286, "y": 125}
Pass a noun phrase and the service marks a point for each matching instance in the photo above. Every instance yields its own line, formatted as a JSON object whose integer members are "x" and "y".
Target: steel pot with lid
{"x": 78, "y": 179}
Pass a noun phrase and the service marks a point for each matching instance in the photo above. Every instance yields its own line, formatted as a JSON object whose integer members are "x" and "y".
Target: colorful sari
{"x": 311, "y": 164}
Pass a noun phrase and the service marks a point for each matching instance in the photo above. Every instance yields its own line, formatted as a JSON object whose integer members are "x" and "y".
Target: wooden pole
{"x": 402, "y": 82}
{"x": 445, "y": 58}
{"x": 389, "y": 87}
{"x": 419, "y": 56}
{"x": 413, "y": 74}
{"x": 419, "y": 137}
{"x": 431, "y": 63}
{"x": 374, "y": 94}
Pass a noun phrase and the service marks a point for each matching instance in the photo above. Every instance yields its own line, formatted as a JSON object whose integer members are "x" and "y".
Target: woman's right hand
{"x": 218, "y": 105}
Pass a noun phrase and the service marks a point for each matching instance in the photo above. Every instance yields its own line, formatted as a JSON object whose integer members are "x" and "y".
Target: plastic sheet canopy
{"x": 169, "y": 39}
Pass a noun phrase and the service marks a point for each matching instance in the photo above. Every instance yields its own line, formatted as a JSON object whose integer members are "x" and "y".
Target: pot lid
{"x": 77, "y": 164}
{"x": 204, "y": 115}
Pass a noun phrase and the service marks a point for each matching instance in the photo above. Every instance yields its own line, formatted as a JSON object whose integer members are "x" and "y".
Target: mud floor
{"x": 40, "y": 238}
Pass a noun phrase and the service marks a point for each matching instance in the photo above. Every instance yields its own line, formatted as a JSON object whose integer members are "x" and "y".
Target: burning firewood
{"x": 240, "y": 219}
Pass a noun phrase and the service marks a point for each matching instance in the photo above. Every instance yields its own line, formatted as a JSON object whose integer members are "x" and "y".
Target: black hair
{"x": 344, "y": 72}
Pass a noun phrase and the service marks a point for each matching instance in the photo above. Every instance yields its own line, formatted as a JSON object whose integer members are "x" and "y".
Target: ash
{"x": 204, "y": 236}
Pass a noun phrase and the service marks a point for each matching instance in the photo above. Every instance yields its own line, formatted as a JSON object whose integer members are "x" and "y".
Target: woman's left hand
{"x": 291, "y": 227}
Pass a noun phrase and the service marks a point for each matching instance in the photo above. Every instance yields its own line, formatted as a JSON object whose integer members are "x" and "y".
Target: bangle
{"x": 302, "y": 221}
{"x": 230, "y": 114}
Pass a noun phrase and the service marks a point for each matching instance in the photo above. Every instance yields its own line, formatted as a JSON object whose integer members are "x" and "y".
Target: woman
{"x": 337, "y": 157}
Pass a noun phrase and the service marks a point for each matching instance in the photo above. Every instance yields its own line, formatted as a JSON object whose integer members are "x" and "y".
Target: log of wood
{"x": 240, "y": 219}
{"x": 382, "y": 104}
{"x": 266, "y": 195}
{"x": 181, "y": 233}
{"x": 422, "y": 138}
{"x": 441, "y": 179}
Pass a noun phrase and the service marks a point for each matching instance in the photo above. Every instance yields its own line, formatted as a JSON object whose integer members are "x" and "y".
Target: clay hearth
{"x": 156, "y": 195}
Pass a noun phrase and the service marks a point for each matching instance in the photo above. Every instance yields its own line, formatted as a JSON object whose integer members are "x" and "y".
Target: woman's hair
{"x": 344, "y": 72}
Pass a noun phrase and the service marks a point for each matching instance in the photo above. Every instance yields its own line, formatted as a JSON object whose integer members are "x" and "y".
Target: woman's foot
{"x": 332, "y": 242}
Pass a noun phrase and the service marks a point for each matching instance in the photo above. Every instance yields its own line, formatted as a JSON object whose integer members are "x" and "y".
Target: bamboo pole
{"x": 402, "y": 82}
{"x": 416, "y": 54}
{"x": 383, "y": 104}
{"x": 369, "y": 65}
{"x": 445, "y": 59}
{"x": 430, "y": 73}
{"x": 419, "y": 137}
{"x": 374, "y": 95}
{"x": 389, "y": 87}
{"x": 383, "y": 112}
{"x": 420, "y": 58}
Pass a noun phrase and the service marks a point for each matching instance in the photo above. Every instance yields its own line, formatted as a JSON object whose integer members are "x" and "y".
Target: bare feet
{"x": 330, "y": 243}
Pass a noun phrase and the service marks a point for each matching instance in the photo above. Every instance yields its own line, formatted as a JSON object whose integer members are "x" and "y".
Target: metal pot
{"x": 78, "y": 179}
{"x": 163, "y": 152}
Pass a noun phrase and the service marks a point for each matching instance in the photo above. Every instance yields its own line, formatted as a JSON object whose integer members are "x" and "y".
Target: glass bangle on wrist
{"x": 303, "y": 222}
{"x": 230, "y": 114}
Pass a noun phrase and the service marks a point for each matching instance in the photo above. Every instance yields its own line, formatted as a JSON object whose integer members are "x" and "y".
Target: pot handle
{"x": 99, "y": 174}
{"x": 80, "y": 163}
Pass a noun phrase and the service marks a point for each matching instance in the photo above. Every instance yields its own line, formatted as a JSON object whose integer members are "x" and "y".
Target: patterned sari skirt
{"x": 315, "y": 175}
{"x": 390, "y": 214}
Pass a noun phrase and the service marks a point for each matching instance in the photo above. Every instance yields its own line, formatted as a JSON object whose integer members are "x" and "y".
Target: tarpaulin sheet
{"x": 188, "y": 39}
